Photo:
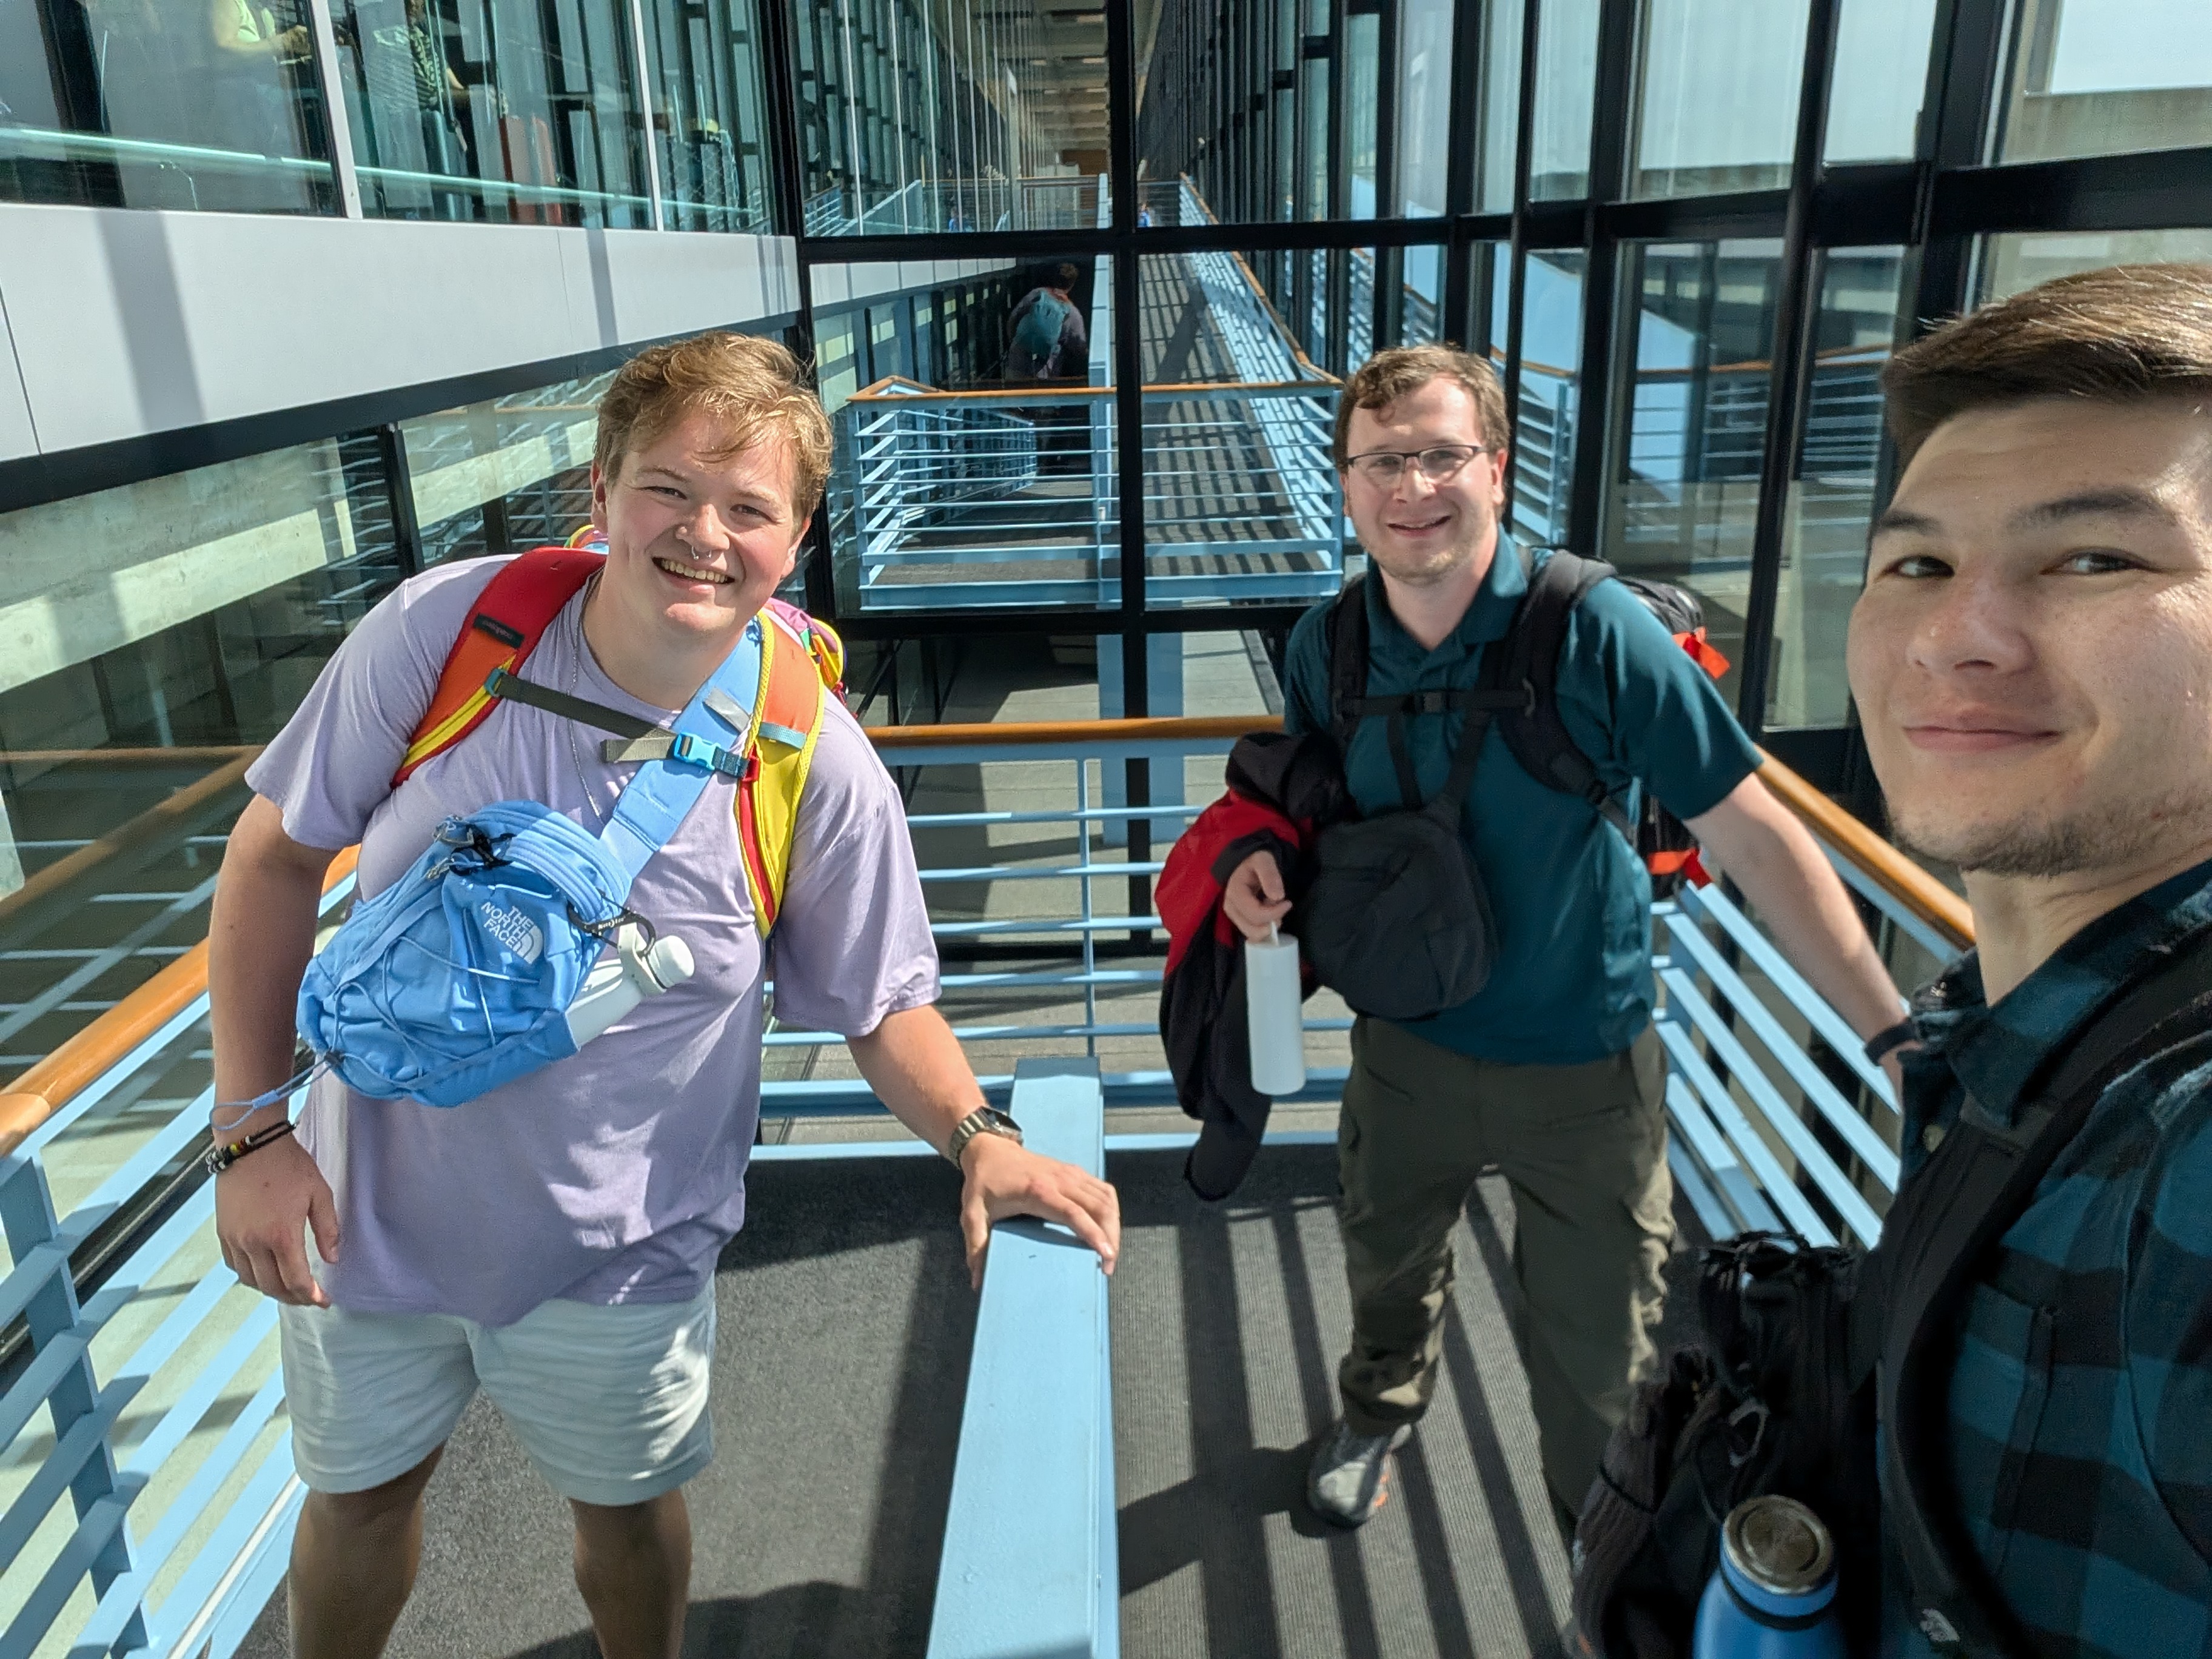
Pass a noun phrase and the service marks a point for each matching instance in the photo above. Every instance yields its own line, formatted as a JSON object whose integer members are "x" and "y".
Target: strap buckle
{"x": 695, "y": 751}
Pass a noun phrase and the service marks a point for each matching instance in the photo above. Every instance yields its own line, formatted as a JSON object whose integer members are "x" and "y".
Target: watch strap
{"x": 983, "y": 1121}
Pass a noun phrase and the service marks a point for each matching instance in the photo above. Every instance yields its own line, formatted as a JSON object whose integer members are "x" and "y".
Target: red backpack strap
{"x": 508, "y": 619}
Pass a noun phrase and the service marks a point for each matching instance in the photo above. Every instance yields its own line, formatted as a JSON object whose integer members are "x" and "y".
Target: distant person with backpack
{"x": 553, "y": 1239}
{"x": 1548, "y": 1070}
{"x": 2031, "y": 660}
{"x": 1047, "y": 340}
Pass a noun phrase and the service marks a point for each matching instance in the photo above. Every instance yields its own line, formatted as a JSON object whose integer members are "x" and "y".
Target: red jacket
{"x": 1280, "y": 789}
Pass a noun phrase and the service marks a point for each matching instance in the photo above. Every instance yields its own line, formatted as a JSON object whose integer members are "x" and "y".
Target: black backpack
{"x": 1526, "y": 661}
{"x": 1802, "y": 1349}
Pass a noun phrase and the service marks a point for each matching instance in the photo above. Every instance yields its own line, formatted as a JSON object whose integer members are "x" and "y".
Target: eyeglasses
{"x": 1384, "y": 467}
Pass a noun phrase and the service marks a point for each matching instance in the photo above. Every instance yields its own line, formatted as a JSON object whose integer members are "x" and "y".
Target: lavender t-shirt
{"x": 617, "y": 1175}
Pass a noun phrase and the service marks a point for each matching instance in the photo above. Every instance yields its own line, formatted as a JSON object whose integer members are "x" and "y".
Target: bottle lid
{"x": 1778, "y": 1544}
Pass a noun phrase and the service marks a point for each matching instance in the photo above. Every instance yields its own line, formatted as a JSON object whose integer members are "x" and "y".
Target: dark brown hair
{"x": 1394, "y": 373}
{"x": 752, "y": 385}
{"x": 2117, "y": 336}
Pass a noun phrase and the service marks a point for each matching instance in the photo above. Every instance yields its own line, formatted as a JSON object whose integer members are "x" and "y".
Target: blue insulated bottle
{"x": 1773, "y": 1595}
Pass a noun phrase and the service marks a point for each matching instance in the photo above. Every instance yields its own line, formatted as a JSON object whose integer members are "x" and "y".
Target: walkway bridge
{"x": 1065, "y": 1465}
{"x": 1012, "y": 497}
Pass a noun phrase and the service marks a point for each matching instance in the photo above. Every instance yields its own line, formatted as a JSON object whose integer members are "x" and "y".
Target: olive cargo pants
{"x": 1584, "y": 1149}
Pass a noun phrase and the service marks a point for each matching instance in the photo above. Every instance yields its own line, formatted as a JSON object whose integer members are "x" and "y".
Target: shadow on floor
{"x": 1228, "y": 1319}
{"x": 844, "y": 1333}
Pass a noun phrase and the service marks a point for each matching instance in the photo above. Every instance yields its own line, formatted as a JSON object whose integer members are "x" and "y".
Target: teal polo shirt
{"x": 1572, "y": 980}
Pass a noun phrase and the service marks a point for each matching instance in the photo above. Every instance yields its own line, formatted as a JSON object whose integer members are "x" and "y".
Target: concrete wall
{"x": 124, "y": 323}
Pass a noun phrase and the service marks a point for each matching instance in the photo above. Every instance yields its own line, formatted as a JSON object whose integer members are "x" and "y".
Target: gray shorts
{"x": 610, "y": 1403}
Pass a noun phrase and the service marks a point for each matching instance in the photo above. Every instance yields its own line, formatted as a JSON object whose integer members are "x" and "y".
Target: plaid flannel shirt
{"x": 2080, "y": 1400}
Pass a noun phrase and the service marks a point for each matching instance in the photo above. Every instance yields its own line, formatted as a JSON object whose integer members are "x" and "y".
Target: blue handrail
{"x": 1031, "y": 1564}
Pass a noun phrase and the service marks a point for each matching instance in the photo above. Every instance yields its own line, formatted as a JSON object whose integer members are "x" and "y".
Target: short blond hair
{"x": 1401, "y": 370}
{"x": 754, "y": 386}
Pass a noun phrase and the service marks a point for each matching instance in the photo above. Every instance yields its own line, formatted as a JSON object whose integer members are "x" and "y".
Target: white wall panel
{"x": 17, "y": 435}
{"x": 127, "y": 322}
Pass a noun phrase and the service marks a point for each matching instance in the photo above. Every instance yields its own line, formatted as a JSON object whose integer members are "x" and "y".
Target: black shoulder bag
{"x": 1779, "y": 1393}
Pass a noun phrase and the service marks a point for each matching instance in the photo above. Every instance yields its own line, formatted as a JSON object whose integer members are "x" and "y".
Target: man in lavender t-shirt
{"x": 553, "y": 1241}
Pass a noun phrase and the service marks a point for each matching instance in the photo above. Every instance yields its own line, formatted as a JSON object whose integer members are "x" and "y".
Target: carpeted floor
{"x": 844, "y": 1331}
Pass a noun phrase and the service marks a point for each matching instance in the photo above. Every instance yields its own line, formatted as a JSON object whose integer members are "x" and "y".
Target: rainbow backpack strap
{"x": 801, "y": 662}
{"x": 509, "y": 617}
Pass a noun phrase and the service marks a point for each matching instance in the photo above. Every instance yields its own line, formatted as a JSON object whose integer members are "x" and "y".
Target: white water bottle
{"x": 1273, "y": 1014}
{"x": 633, "y": 972}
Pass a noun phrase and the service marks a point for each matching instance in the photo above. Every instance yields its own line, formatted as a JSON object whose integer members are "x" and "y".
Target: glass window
{"x": 1362, "y": 37}
{"x": 211, "y": 106}
{"x": 703, "y": 64}
{"x": 2005, "y": 265}
{"x": 1831, "y": 505}
{"x": 1313, "y": 113}
{"x": 1501, "y": 104}
{"x": 1425, "y": 123}
{"x": 1698, "y": 324}
{"x": 507, "y": 475}
{"x": 1880, "y": 72}
{"x": 1718, "y": 106}
{"x": 996, "y": 486}
{"x": 156, "y": 632}
{"x": 1566, "y": 86}
{"x": 505, "y": 110}
{"x": 918, "y": 117}
{"x": 2099, "y": 77}
{"x": 1241, "y": 500}
{"x": 1551, "y": 377}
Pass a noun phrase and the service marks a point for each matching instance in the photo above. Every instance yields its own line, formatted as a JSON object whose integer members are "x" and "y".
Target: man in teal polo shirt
{"x": 1552, "y": 1072}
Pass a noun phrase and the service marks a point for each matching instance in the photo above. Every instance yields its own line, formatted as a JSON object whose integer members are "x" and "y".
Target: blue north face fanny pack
{"x": 482, "y": 962}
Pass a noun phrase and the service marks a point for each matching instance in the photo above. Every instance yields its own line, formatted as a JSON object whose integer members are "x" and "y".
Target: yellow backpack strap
{"x": 800, "y": 663}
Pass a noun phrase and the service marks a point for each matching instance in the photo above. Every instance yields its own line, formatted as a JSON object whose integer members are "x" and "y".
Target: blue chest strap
{"x": 705, "y": 741}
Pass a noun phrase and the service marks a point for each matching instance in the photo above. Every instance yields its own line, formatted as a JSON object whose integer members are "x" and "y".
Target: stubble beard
{"x": 1433, "y": 570}
{"x": 2113, "y": 834}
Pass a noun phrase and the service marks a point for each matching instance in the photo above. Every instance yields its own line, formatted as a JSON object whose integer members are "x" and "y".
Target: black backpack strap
{"x": 1349, "y": 704}
{"x": 512, "y": 688}
{"x": 1347, "y": 661}
{"x": 1528, "y": 661}
{"x": 1938, "y": 1238}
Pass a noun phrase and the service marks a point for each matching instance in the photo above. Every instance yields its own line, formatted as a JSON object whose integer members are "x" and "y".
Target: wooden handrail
{"x": 58, "y": 1078}
{"x": 1006, "y": 733}
{"x": 49, "y": 894}
{"x": 1894, "y": 873}
{"x": 1045, "y": 390}
{"x": 54, "y": 1081}
{"x": 188, "y": 754}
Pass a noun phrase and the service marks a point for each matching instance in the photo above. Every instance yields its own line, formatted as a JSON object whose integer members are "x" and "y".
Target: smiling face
{"x": 697, "y": 538}
{"x": 1418, "y": 531}
{"x": 2032, "y": 654}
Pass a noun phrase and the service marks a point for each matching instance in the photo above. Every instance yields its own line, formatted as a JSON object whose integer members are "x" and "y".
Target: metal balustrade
{"x": 1013, "y": 498}
{"x": 163, "y": 1424}
{"x": 957, "y": 204}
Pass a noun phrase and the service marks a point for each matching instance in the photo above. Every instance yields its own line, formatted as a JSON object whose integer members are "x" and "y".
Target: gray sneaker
{"x": 1349, "y": 1478}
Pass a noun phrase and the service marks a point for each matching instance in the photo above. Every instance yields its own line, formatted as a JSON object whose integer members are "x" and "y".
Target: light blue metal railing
{"x": 163, "y": 1420}
{"x": 161, "y": 1397}
{"x": 942, "y": 491}
{"x": 925, "y": 205}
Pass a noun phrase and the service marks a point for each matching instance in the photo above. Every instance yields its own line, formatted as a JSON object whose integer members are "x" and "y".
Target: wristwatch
{"x": 983, "y": 1121}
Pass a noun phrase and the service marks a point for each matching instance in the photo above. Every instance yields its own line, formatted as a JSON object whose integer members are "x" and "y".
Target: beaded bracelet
{"x": 220, "y": 1158}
